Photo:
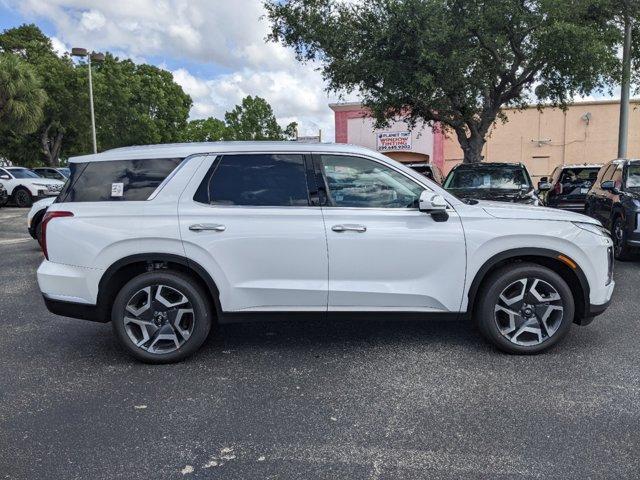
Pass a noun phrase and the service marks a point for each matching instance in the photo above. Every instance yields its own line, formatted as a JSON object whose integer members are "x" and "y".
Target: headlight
{"x": 40, "y": 185}
{"x": 595, "y": 229}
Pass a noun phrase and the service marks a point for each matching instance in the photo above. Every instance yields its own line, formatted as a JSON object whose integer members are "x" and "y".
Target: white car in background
{"x": 36, "y": 214}
{"x": 24, "y": 186}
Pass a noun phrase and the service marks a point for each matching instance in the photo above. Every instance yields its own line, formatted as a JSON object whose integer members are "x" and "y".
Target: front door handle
{"x": 349, "y": 228}
{"x": 199, "y": 227}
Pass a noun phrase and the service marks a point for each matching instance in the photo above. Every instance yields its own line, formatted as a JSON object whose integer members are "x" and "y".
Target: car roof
{"x": 182, "y": 150}
{"x": 418, "y": 164}
{"x": 15, "y": 168}
{"x": 489, "y": 164}
{"x": 581, "y": 165}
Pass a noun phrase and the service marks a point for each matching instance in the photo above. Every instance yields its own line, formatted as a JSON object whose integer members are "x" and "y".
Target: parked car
{"x": 615, "y": 201}
{"x": 165, "y": 240}
{"x": 503, "y": 182}
{"x": 35, "y": 216}
{"x": 428, "y": 170}
{"x": 24, "y": 186}
{"x": 60, "y": 173}
{"x": 4, "y": 196}
{"x": 568, "y": 185}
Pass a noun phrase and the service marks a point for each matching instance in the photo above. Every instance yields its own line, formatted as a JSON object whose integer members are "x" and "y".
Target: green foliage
{"x": 21, "y": 98}
{"x": 253, "y": 119}
{"x": 454, "y": 62}
{"x": 134, "y": 104}
{"x": 204, "y": 130}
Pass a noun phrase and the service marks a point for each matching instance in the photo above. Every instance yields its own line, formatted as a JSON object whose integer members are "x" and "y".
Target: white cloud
{"x": 229, "y": 34}
{"x": 59, "y": 47}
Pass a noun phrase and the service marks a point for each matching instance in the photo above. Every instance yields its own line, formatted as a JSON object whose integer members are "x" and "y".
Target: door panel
{"x": 403, "y": 261}
{"x": 262, "y": 258}
{"x": 384, "y": 254}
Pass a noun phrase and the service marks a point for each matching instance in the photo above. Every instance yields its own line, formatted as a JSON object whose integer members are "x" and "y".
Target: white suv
{"x": 165, "y": 240}
{"x": 24, "y": 186}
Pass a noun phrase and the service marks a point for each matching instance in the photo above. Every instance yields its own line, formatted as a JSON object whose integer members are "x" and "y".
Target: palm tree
{"x": 21, "y": 98}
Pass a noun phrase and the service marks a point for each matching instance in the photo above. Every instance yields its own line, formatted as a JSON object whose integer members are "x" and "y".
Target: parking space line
{"x": 12, "y": 241}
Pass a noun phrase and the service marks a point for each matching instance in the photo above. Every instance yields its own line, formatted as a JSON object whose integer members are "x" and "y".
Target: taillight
{"x": 45, "y": 221}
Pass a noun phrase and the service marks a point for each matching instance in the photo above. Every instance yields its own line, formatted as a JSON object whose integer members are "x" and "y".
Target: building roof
{"x": 181, "y": 150}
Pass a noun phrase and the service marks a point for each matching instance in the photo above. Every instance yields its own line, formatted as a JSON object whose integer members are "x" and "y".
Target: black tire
{"x": 199, "y": 303}
{"x": 489, "y": 298}
{"x": 4, "y": 200}
{"x": 35, "y": 230}
{"x": 22, "y": 198}
{"x": 621, "y": 249}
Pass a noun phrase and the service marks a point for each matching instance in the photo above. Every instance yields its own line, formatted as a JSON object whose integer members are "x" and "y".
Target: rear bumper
{"x": 80, "y": 311}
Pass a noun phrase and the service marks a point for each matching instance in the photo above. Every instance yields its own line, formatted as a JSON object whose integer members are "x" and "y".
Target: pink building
{"x": 355, "y": 126}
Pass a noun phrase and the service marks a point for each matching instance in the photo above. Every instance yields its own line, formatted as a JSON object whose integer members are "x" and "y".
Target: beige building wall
{"x": 586, "y": 133}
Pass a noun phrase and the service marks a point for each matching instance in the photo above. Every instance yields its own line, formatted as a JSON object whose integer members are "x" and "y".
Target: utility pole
{"x": 96, "y": 57}
{"x": 623, "y": 136}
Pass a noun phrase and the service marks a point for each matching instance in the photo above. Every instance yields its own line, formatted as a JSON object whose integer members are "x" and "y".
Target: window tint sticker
{"x": 117, "y": 189}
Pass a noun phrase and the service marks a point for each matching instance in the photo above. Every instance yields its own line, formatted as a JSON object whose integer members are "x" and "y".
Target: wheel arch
{"x": 124, "y": 269}
{"x": 556, "y": 261}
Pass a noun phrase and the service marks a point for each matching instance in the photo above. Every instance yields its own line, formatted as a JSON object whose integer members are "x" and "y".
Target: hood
{"x": 42, "y": 181}
{"x": 531, "y": 212}
{"x": 496, "y": 195}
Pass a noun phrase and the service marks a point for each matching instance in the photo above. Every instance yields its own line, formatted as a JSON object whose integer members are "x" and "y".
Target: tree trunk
{"x": 471, "y": 145}
{"x": 51, "y": 146}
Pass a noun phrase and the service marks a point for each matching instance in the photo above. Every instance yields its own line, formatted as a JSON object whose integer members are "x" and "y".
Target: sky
{"x": 216, "y": 50}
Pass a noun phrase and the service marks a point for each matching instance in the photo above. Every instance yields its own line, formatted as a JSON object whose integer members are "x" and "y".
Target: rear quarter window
{"x": 117, "y": 180}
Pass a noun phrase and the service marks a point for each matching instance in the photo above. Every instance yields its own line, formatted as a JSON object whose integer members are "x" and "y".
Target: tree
{"x": 21, "y": 98}
{"x": 453, "y": 63}
{"x": 204, "y": 130}
{"x": 253, "y": 119}
{"x": 64, "y": 119}
{"x": 136, "y": 104}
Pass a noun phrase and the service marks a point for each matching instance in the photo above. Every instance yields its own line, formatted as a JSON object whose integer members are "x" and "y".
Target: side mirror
{"x": 544, "y": 186}
{"x": 609, "y": 186}
{"x": 543, "y": 180}
{"x": 435, "y": 205}
{"x": 5, "y": 177}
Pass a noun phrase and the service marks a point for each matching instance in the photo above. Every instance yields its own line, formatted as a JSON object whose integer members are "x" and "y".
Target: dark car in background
{"x": 503, "y": 182}
{"x": 428, "y": 170}
{"x": 60, "y": 173}
{"x": 614, "y": 199}
{"x": 568, "y": 185}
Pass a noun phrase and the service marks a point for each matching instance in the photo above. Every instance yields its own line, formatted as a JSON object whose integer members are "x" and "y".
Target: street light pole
{"x": 98, "y": 57}
{"x": 623, "y": 136}
{"x": 93, "y": 115}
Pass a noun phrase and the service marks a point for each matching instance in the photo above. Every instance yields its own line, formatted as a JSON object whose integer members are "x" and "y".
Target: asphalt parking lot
{"x": 360, "y": 400}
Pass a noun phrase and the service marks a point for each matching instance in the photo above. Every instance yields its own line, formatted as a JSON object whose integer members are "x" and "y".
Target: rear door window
{"x": 261, "y": 180}
{"x": 118, "y": 180}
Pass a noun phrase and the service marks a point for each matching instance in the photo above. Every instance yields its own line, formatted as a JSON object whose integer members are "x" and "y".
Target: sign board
{"x": 393, "y": 141}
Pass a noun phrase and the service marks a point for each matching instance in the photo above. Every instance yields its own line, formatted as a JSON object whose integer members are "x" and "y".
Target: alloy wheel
{"x": 529, "y": 311}
{"x": 618, "y": 237}
{"x": 22, "y": 198}
{"x": 159, "y": 319}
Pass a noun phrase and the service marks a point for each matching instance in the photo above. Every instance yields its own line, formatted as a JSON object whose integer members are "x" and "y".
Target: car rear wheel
{"x": 621, "y": 248}
{"x": 161, "y": 316}
{"x": 525, "y": 308}
{"x": 22, "y": 198}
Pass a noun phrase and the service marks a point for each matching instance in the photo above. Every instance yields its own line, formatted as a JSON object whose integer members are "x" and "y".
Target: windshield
{"x": 22, "y": 173}
{"x": 633, "y": 176}
{"x": 496, "y": 177}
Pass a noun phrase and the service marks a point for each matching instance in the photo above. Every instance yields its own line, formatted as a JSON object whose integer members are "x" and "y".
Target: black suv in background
{"x": 615, "y": 201}
{"x": 567, "y": 186}
{"x": 428, "y": 170}
{"x": 503, "y": 182}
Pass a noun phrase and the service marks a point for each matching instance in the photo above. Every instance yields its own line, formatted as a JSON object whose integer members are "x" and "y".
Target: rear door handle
{"x": 349, "y": 228}
{"x": 199, "y": 227}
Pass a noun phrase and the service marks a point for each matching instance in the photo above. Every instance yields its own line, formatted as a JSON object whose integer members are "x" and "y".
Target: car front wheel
{"x": 161, "y": 316}
{"x": 619, "y": 234}
{"x": 525, "y": 308}
{"x": 22, "y": 198}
